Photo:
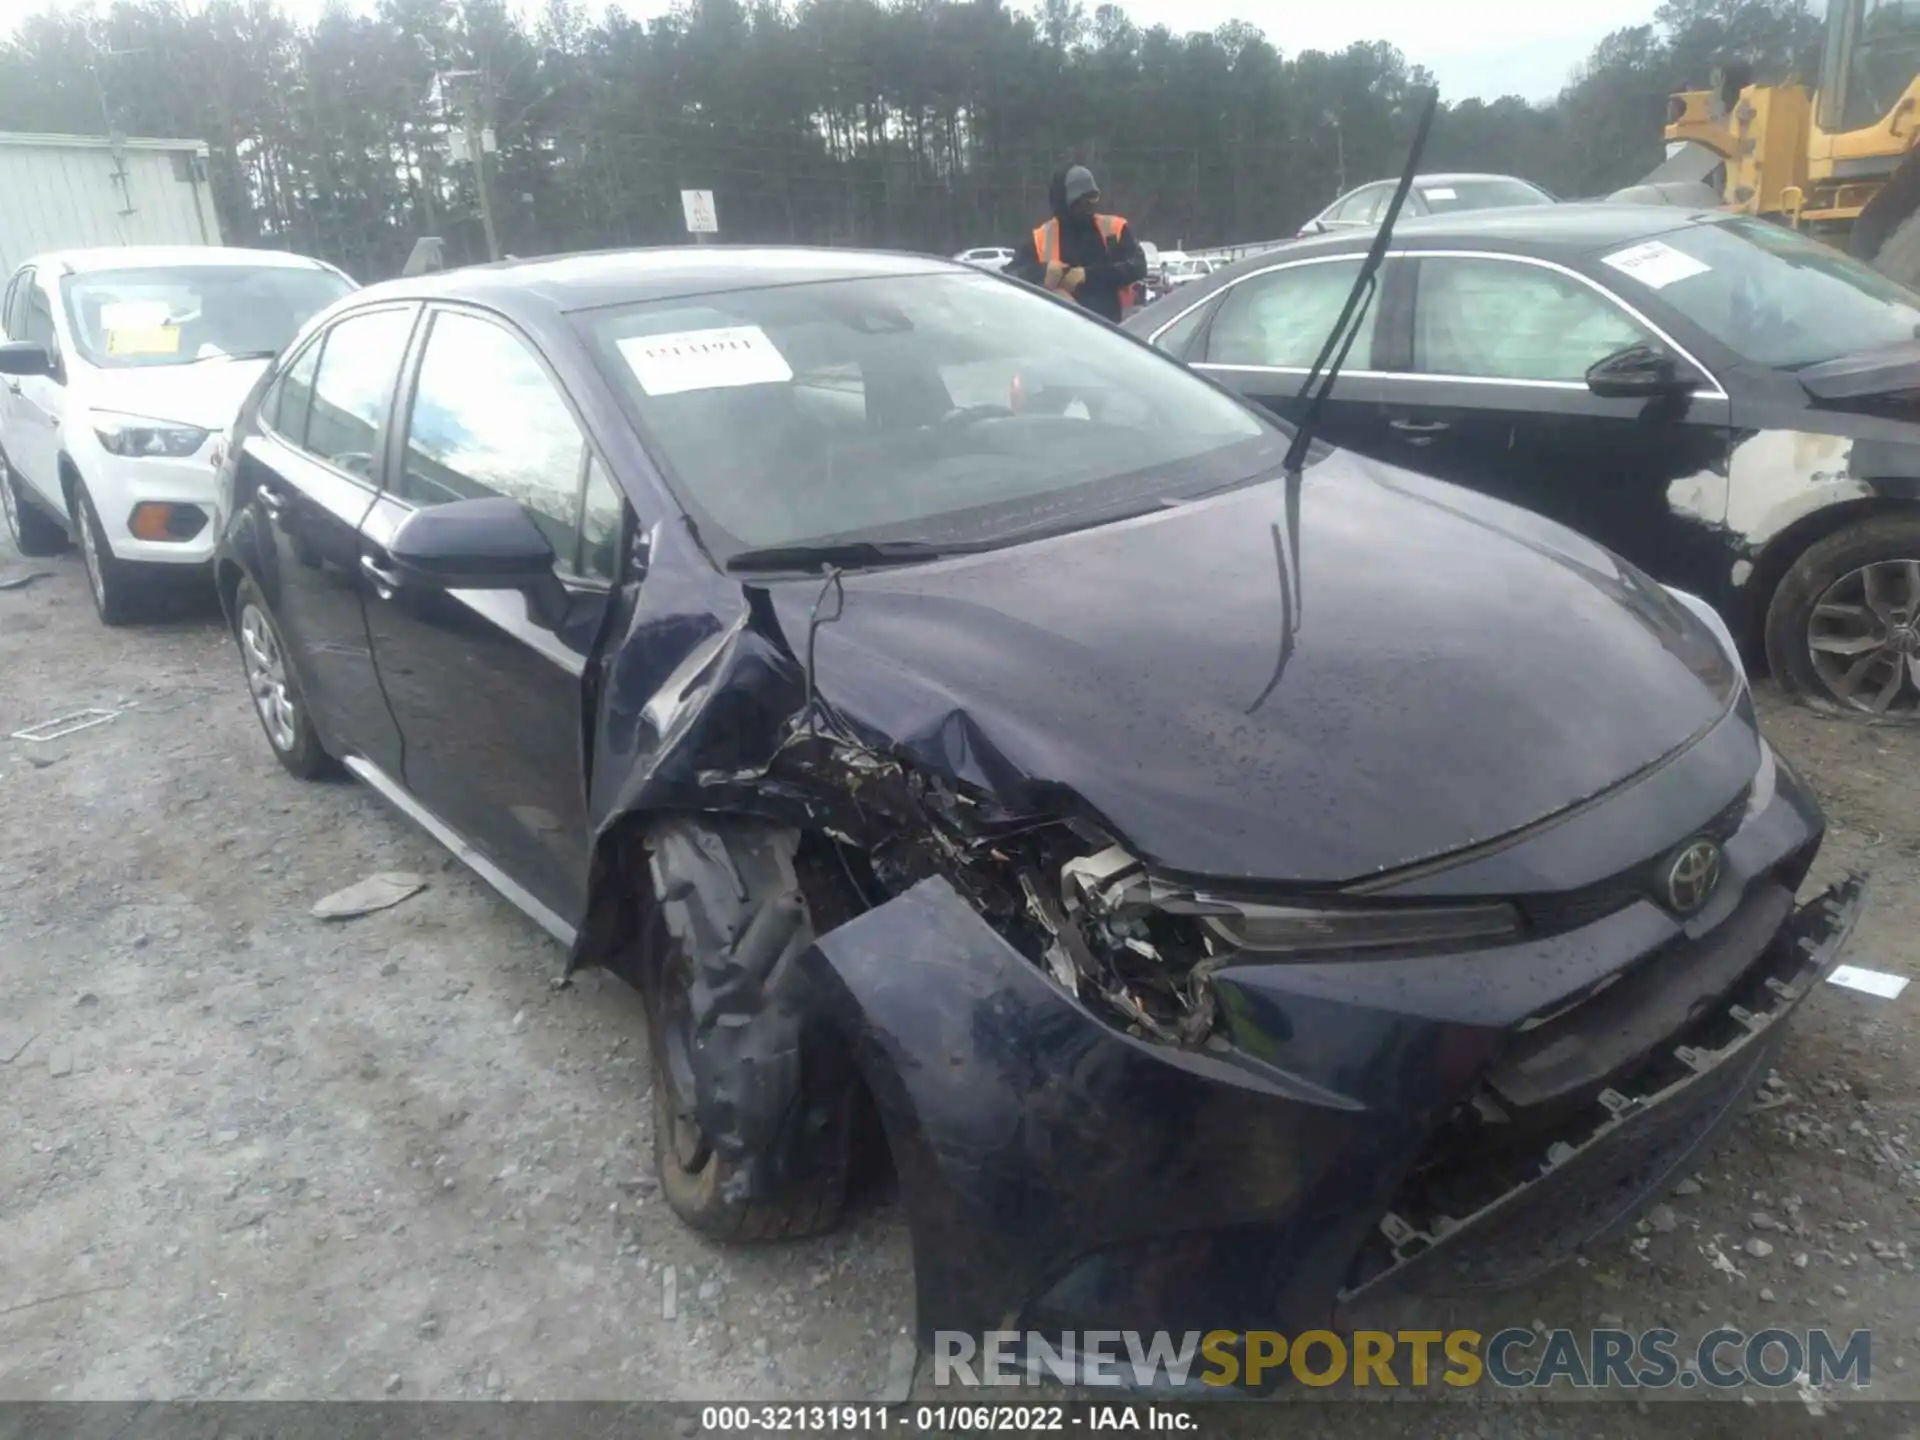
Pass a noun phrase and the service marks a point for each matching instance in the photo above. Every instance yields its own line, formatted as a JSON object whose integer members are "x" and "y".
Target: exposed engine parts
{"x": 1058, "y": 890}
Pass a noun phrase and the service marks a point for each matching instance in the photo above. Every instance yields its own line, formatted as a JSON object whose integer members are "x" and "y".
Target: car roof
{"x": 143, "y": 257}
{"x": 623, "y": 277}
{"x": 1545, "y": 231}
{"x": 1557, "y": 229}
{"x": 1442, "y": 177}
{"x": 1447, "y": 177}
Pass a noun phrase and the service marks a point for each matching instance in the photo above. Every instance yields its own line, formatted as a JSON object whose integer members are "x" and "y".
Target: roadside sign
{"x": 701, "y": 219}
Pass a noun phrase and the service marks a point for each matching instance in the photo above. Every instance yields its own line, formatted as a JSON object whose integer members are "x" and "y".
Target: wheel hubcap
{"x": 1864, "y": 638}
{"x": 267, "y": 677}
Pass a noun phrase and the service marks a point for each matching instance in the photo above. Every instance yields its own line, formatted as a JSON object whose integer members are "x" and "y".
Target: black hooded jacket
{"x": 1110, "y": 267}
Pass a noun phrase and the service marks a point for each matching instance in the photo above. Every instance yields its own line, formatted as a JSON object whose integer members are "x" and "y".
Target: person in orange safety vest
{"x": 1081, "y": 251}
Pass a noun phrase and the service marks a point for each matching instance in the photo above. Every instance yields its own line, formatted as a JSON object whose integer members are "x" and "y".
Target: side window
{"x": 601, "y": 514}
{"x": 353, "y": 386}
{"x": 13, "y": 313}
{"x": 1177, "y": 338}
{"x": 287, "y": 407}
{"x": 1282, "y": 318}
{"x": 1505, "y": 320}
{"x": 1361, "y": 206}
{"x": 487, "y": 420}
{"x": 39, "y": 328}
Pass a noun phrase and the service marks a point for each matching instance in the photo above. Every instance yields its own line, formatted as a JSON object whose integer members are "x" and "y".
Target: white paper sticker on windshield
{"x": 134, "y": 314}
{"x": 705, "y": 360}
{"x": 1439, "y": 192}
{"x": 1655, "y": 265}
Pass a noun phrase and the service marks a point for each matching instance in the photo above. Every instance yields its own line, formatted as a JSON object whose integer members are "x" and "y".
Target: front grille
{"x": 1571, "y": 909}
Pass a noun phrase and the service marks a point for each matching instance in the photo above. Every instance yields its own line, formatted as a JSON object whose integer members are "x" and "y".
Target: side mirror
{"x": 486, "y": 544}
{"x": 1638, "y": 372}
{"x": 18, "y": 357}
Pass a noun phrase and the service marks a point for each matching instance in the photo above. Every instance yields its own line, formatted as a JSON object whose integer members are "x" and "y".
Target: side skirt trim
{"x": 390, "y": 791}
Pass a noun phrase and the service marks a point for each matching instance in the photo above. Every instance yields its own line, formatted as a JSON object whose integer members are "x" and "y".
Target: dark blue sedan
{"x": 1238, "y": 893}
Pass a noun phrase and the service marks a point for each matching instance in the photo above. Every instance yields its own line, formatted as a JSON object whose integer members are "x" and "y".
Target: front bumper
{"x": 1059, "y": 1174}
{"x": 119, "y": 483}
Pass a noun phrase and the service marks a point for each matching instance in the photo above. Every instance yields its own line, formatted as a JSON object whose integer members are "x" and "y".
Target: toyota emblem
{"x": 1692, "y": 876}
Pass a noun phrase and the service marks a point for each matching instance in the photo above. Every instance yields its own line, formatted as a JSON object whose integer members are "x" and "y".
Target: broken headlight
{"x": 1113, "y": 883}
{"x": 1292, "y": 929}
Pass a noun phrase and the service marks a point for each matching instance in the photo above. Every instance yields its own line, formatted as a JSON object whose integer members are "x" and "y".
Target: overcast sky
{"x": 1485, "y": 47}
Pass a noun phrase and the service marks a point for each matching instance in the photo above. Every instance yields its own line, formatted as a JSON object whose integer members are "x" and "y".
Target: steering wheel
{"x": 965, "y": 415}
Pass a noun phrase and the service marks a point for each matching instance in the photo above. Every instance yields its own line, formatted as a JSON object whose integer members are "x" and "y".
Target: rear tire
{"x": 1843, "y": 627}
{"x": 33, "y": 532}
{"x": 109, "y": 579}
{"x": 730, "y": 908}
{"x": 277, "y": 702}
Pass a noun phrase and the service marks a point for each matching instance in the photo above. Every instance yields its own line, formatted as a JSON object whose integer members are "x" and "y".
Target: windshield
{"x": 1444, "y": 197}
{"x": 942, "y": 409}
{"x": 126, "y": 319}
{"x": 1771, "y": 296}
{"x": 1872, "y": 51}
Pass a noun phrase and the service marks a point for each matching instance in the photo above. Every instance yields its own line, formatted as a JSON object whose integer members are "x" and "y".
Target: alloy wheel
{"x": 7, "y": 503}
{"x": 267, "y": 678}
{"x": 1864, "y": 638}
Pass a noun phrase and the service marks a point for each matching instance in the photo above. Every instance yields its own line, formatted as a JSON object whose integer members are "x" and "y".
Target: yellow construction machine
{"x": 1838, "y": 162}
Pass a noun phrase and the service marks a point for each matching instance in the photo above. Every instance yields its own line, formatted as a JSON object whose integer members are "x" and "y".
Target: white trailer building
{"x": 63, "y": 192}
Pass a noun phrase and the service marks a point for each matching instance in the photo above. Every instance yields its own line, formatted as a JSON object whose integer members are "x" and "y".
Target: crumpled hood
{"x": 1459, "y": 669}
{"x": 207, "y": 394}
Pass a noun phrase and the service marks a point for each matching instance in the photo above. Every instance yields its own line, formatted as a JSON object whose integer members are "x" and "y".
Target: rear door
{"x": 487, "y": 685}
{"x": 1264, "y": 333}
{"x": 1496, "y": 399}
{"x": 308, "y": 475}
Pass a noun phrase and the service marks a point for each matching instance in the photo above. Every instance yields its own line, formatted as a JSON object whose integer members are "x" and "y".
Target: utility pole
{"x": 1339, "y": 153}
{"x": 478, "y": 151}
{"x": 476, "y": 131}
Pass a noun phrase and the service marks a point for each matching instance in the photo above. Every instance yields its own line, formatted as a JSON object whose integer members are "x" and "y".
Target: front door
{"x": 1266, "y": 331}
{"x": 39, "y": 406}
{"x": 487, "y": 685}
{"x": 308, "y": 475}
{"x": 1497, "y": 400}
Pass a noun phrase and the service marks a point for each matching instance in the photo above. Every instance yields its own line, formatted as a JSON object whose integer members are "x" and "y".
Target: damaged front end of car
{"x": 1120, "y": 1094}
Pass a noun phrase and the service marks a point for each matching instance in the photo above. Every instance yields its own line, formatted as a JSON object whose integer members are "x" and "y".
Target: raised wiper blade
{"x": 845, "y": 554}
{"x": 1333, "y": 353}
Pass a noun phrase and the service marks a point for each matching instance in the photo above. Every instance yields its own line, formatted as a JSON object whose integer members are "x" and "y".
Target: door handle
{"x": 385, "y": 581}
{"x": 13, "y": 387}
{"x": 1419, "y": 427}
{"x": 271, "y": 500}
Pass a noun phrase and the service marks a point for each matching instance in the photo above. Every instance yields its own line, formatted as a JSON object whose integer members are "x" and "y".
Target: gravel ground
{"x": 256, "y": 1155}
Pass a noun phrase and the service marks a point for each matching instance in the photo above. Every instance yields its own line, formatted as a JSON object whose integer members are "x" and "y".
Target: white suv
{"x": 119, "y": 372}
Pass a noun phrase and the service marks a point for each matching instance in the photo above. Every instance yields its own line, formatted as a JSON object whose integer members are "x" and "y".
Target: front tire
{"x": 109, "y": 579}
{"x": 1843, "y": 627}
{"x": 277, "y": 701}
{"x": 731, "y": 924}
{"x": 33, "y": 532}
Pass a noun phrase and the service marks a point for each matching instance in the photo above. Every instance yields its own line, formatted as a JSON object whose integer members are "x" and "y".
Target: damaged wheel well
{"x": 1777, "y": 557}
{"x": 705, "y": 915}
